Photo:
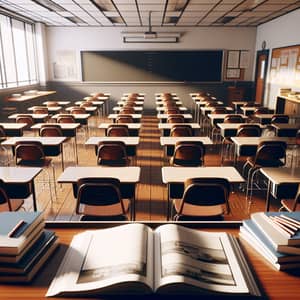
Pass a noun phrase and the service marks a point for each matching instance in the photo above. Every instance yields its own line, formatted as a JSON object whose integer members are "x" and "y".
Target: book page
{"x": 197, "y": 258}
{"x": 102, "y": 258}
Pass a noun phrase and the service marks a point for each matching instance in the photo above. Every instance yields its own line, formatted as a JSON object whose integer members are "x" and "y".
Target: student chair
{"x": 40, "y": 110}
{"x": 203, "y": 199}
{"x": 6, "y": 204}
{"x": 188, "y": 154}
{"x": 100, "y": 199}
{"x": 181, "y": 130}
{"x": 27, "y": 119}
{"x": 112, "y": 153}
{"x": 175, "y": 119}
{"x": 124, "y": 119}
{"x": 268, "y": 154}
{"x": 117, "y": 130}
{"x": 66, "y": 118}
{"x": 282, "y": 119}
{"x": 291, "y": 204}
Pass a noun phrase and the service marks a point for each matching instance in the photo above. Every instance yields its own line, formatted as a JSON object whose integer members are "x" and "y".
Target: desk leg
{"x": 168, "y": 202}
{"x": 62, "y": 157}
{"x": 33, "y": 195}
{"x": 75, "y": 148}
{"x": 268, "y": 198}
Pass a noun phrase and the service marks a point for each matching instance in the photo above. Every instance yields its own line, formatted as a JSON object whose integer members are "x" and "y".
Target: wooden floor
{"x": 151, "y": 193}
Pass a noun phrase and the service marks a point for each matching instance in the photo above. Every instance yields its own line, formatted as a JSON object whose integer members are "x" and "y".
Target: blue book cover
{"x": 17, "y": 229}
{"x": 263, "y": 241}
{"x": 275, "y": 235}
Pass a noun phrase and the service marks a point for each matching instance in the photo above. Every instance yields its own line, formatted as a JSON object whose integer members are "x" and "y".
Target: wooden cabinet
{"x": 287, "y": 106}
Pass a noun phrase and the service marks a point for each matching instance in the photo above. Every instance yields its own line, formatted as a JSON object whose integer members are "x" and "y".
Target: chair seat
{"x": 104, "y": 211}
{"x": 198, "y": 210}
{"x": 263, "y": 163}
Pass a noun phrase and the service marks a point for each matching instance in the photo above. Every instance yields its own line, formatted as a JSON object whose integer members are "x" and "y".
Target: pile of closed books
{"x": 24, "y": 245}
{"x": 276, "y": 236}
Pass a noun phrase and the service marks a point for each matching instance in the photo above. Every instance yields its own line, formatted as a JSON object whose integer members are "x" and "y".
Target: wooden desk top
{"x": 129, "y": 125}
{"x": 161, "y": 102}
{"x": 136, "y": 102}
{"x": 46, "y": 141}
{"x": 285, "y": 126}
{"x": 61, "y": 125}
{"x": 49, "y": 108}
{"x": 87, "y": 109}
{"x": 180, "y": 174}
{"x": 34, "y": 116}
{"x": 134, "y": 116}
{"x": 18, "y": 174}
{"x": 165, "y": 116}
{"x": 170, "y": 125}
{"x": 124, "y": 174}
{"x": 244, "y": 141}
{"x": 275, "y": 284}
{"x": 282, "y": 175}
{"x": 119, "y": 108}
{"x": 127, "y": 140}
{"x": 24, "y": 98}
{"x": 93, "y": 102}
{"x": 13, "y": 125}
{"x": 171, "y": 141}
{"x": 60, "y": 103}
{"x": 76, "y": 116}
{"x": 162, "y": 108}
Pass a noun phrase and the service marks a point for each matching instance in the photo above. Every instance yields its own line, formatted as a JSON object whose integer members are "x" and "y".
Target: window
{"x": 17, "y": 53}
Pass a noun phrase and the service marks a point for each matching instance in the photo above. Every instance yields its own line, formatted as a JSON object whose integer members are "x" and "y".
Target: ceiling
{"x": 164, "y": 13}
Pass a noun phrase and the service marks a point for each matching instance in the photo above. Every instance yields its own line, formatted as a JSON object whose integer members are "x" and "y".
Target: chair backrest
{"x": 127, "y": 110}
{"x": 219, "y": 110}
{"x": 251, "y": 104}
{"x": 112, "y": 153}
{"x": 117, "y": 130}
{"x": 40, "y": 110}
{"x": 124, "y": 119}
{"x": 280, "y": 119}
{"x": 95, "y": 192}
{"x": 52, "y": 103}
{"x": 87, "y": 103}
{"x": 249, "y": 130}
{"x": 271, "y": 153}
{"x": 175, "y": 119}
{"x": 66, "y": 119}
{"x": 172, "y": 111}
{"x": 78, "y": 110}
{"x": 188, "y": 154}
{"x": 30, "y": 151}
{"x": 261, "y": 110}
{"x": 27, "y": 119}
{"x": 298, "y": 137}
{"x": 206, "y": 192}
{"x": 233, "y": 119}
{"x": 50, "y": 130}
{"x": 181, "y": 130}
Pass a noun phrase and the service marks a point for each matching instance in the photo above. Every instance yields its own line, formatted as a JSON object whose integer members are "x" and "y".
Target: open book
{"x": 134, "y": 259}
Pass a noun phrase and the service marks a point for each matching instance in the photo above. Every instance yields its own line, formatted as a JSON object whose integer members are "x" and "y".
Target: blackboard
{"x": 192, "y": 66}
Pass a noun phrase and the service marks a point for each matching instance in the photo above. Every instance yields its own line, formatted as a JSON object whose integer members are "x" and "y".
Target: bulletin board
{"x": 285, "y": 66}
{"x": 236, "y": 63}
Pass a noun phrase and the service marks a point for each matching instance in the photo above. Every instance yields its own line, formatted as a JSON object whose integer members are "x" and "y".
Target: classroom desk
{"x": 16, "y": 177}
{"x": 206, "y": 110}
{"x": 248, "y": 110}
{"x": 219, "y": 118}
{"x": 136, "y": 117}
{"x": 20, "y": 101}
{"x": 166, "y": 127}
{"x": 230, "y": 129}
{"x": 161, "y": 103}
{"x": 275, "y": 284}
{"x": 238, "y": 105}
{"x": 99, "y": 104}
{"x": 135, "y": 108}
{"x": 50, "y": 144}
{"x": 104, "y": 98}
{"x": 60, "y": 103}
{"x": 133, "y": 128}
{"x": 168, "y": 142}
{"x": 277, "y": 177}
{"x": 137, "y": 103}
{"x": 175, "y": 177}
{"x": 199, "y": 104}
{"x": 128, "y": 176}
{"x": 285, "y": 129}
{"x": 131, "y": 142}
{"x": 162, "y": 109}
{"x": 13, "y": 129}
{"x": 163, "y": 117}
{"x": 263, "y": 118}
{"x": 37, "y": 118}
{"x": 51, "y": 109}
{"x": 80, "y": 118}
{"x": 246, "y": 146}
{"x": 68, "y": 130}
{"x": 88, "y": 109}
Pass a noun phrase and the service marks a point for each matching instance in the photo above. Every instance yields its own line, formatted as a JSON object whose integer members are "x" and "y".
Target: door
{"x": 260, "y": 75}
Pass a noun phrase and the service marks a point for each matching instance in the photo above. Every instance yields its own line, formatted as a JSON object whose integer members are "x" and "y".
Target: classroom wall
{"x": 281, "y": 32}
{"x": 64, "y": 46}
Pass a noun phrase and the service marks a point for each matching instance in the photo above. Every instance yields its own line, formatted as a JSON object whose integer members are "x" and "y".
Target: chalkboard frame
{"x": 214, "y": 57}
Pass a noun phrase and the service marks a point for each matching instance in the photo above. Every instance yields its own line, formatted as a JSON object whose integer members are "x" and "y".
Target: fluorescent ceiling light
{"x": 136, "y": 39}
{"x": 49, "y": 5}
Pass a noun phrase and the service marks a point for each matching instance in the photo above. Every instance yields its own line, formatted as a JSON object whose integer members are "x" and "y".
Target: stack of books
{"x": 24, "y": 245}
{"x": 276, "y": 236}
